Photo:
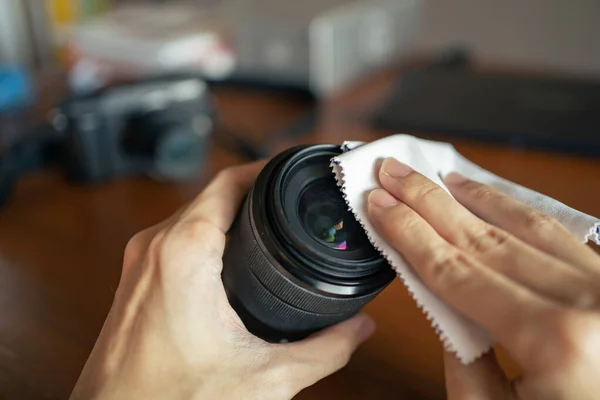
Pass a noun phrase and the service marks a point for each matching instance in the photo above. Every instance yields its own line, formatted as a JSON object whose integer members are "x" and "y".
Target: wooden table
{"x": 61, "y": 249}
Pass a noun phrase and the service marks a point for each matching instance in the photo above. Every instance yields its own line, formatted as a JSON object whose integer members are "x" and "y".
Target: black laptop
{"x": 558, "y": 113}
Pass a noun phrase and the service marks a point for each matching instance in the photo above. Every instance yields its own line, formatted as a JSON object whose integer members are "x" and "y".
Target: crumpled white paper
{"x": 356, "y": 173}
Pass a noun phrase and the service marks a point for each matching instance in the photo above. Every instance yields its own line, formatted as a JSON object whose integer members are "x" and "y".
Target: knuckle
{"x": 428, "y": 191}
{"x": 482, "y": 193}
{"x": 227, "y": 174}
{"x": 134, "y": 245}
{"x": 404, "y": 219}
{"x": 191, "y": 230}
{"x": 343, "y": 354}
{"x": 398, "y": 222}
{"x": 485, "y": 238}
{"x": 151, "y": 254}
{"x": 157, "y": 242}
{"x": 447, "y": 269}
{"x": 194, "y": 232}
{"x": 344, "y": 358}
{"x": 540, "y": 222}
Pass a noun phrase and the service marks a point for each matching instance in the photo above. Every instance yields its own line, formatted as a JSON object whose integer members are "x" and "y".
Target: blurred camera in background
{"x": 159, "y": 127}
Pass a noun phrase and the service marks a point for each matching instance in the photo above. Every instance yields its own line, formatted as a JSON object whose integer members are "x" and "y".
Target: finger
{"x": 526, "y": 223}
{"x": 448, "y": 217}
{"x": 327, "y": 351}
{"x": 482, "y": 379}
{"x": 219, "y": 203}
{"x": 488, "y": 244}
{"x": 502, "y": 306}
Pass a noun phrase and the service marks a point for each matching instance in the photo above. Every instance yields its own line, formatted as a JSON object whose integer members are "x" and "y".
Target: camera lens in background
{"x": 297, "y": 259}
{"x": 170, "y": 149}
{"x": 179, "y": 153}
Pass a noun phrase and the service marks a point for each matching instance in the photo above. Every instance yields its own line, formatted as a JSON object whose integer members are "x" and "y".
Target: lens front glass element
{"x": 314, "y": 222}
{"x": 324, "y": 216}
{"x": 179, "y": 153}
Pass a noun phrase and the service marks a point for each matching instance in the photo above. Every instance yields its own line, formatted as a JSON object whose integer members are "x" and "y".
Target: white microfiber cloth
{"x": 356, "y": 172}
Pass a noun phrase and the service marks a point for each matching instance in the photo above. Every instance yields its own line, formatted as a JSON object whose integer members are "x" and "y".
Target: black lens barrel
{"x": 279, "y": 292}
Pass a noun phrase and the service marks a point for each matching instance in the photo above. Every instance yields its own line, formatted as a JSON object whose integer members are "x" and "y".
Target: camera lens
{"x": 325, "y": 217}
{"x": 297, "y": 260}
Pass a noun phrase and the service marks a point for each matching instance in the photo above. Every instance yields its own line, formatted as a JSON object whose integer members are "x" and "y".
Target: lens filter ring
{"x": 282, "y": 211}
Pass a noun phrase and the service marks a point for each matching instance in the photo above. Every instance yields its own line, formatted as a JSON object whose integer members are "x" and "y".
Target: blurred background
{"x": 315, "y": 50}
{"x": 542, "y": 34}
{"x": 114, "y": 113}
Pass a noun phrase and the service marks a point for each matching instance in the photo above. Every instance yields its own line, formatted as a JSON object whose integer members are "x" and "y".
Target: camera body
{"x": 159, "y": 127}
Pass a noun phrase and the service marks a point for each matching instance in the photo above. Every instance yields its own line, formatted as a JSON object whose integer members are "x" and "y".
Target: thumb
{"x": 329, "y": 350}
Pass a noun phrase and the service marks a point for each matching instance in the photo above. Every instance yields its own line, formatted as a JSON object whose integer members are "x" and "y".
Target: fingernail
{"x": 454, "y": 178}
{"x": 395, "y": 168}
{"x": 381, "y": 198}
